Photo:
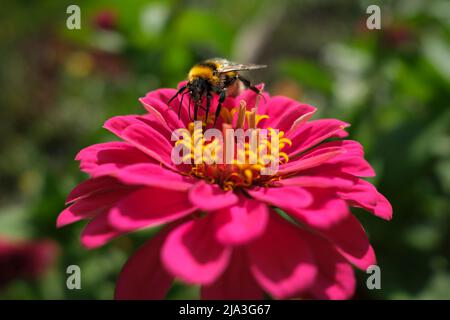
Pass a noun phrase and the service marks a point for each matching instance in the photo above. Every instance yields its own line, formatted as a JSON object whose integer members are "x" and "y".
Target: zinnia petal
{"x": 310, "y": 159}
{"x": 365, "y": 195}
{"x": 236, "y": 282}
{"x": 153, "y": 175}
{"x": 325, "y": 212}
{"x": 93, "y": 186}
{"x": 90, "y": 206}
{"x": 148, "y": 207}
{"x": 281, "y": 261}
{"x": 312, "y": 133}
{"x": 106, "y": 158}
{"x": 149, "y": 141}
{"x": 144, "y": 276}
{"x": 351, "y": 241}
{"x": 283, "y": 197}
{"x": 241, "y": 223}
{"x": 351, "y": 162}
{"x": 210, "y": 197}
{"x": 319, "y": 178}
{"x": 283, "y": 112}
{"x": 168, "y": 115}
{"x": 119, "y": 124}
{"x": 192, "y": 252}
{"x": 98, "y": 232}
{"x": 159, "y": 100}
{"x": 335, "y": 278}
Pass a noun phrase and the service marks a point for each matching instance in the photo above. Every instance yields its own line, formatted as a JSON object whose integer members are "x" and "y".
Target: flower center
{"x": 245, "y": 156}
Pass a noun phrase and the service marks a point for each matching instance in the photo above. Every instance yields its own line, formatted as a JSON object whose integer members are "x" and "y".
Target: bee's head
{"x": 197, "y": 88}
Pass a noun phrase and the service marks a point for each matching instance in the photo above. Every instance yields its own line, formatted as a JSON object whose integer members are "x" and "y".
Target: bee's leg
{"x": 195, "y": 110}
{"x": 208, "y": 105}
{"x": 248, "y": 84}
{"x": 181, "y": 104}
{"x": 176, "y": 95}
{"x": 222, "y": 96}
{"x": 189, "y": 108}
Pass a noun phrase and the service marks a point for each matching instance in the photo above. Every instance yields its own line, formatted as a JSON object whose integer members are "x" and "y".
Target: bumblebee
{"x": 215, "y": 75}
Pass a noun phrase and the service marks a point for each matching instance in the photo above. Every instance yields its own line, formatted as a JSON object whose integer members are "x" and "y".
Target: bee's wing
{"x": 232, "y": 66}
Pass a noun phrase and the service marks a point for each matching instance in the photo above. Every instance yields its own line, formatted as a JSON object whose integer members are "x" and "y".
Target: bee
{"x": 216, "y": 75}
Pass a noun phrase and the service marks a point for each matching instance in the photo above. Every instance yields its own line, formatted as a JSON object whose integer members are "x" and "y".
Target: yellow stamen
{"x": 246, "y": 167}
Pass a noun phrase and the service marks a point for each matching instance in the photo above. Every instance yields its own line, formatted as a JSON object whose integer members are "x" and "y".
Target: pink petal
{"x": 73, "y": 214}
{"x": 166, "y": 115}
{"x": 283, "y": 112}
{"x": 92, "y": 186}
{"x": 352, "y": 161}
{"x": 119, "y": 124}
{"x": 90, "y": 206}
{"x": 319, "y": 178}
{"x": 354, "y": 165}
{"x": 106, "y": 158}
{"x": 366, "y": 196}
{"x": 311, "y": 159}
{"x": 208, "y": 197}
{"x": 351, "y": 241}
{"x": 281, "y": 261}
{"x": 149, "y": 141}
{"x": 241, "y": 223}
{"x": 98, "y": 232}
{"x": 143, "y": 277}
{"x": 158, "y": 100}
{"x": 312, "y": 133}
{"x": 236, "y": 283}
{"x": 283, "y": 197}
{"x": 335, "y": 279}
{"x": 155, "y": 119}
{"x": 299, "y": 122}
{"x": 325, "y": 212}
{"x": 153, "y": 175}
{"x": 192, "y": 253}
{"x": 157, "y": 115}
{"x": 149, "y": 207}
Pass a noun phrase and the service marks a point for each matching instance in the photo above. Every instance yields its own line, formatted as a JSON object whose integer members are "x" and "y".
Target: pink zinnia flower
{"x": 223, "y": 228}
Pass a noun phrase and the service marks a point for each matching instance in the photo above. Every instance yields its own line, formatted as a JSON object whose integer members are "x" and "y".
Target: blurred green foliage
{"x": 393, "y": 85}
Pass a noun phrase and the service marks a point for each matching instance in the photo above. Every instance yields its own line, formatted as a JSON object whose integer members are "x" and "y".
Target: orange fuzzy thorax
{"x": 204, "y": 72}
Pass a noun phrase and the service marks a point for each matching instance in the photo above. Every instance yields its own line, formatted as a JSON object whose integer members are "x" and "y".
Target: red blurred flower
{"x": 26, "y": 260}
{"x": 106, "y": 19}
{"x": 398, "y": 36}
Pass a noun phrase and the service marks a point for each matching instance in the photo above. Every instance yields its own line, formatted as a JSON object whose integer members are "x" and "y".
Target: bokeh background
{"x": 58, "y": 86}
